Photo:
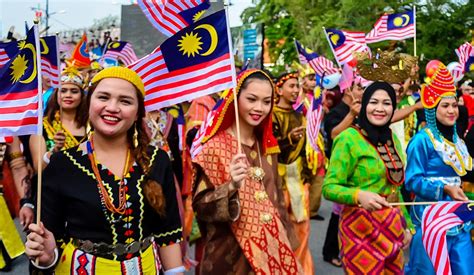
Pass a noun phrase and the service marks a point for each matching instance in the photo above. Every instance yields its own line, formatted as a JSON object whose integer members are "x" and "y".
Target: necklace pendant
{"x": 256, "y": 173}
{"x": 393, "y": 197}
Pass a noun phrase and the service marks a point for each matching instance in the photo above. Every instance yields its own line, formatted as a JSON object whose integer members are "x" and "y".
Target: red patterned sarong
{"x": 371, "y": 242}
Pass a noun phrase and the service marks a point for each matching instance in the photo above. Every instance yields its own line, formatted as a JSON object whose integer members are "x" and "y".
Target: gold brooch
{"x": 260, "y": 196}
{"x": 265, "y": 217}
{"x": 256, "y": 173}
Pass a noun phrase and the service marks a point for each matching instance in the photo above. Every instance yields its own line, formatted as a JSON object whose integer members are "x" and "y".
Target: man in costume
{"x": 289, "y": 129}
{"x": 303, "y": 104}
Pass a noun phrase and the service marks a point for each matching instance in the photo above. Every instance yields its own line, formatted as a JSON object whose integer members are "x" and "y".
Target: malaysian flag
{"x": 465, "y": 53}
{"x": 437, "y": 219}
{"x": 344, "y": 43}
{"x": 3, "y": 57}
{"x": 49, "y": 56}
{"x": 320, "y": 64}
{"x": 196, "y": 61}
{"x": 20, "y": 110}
{"x": 313, "y": 125}
{"x": 397, "y": 26}
{"x": 120, "y": 50}
{"x": 170, "y": 16}
{"x": 50, "y": 64}
{"x": 196, "y": 147}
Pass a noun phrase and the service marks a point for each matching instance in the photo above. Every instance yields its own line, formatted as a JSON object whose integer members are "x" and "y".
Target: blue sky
{"x": 76, "y": 14}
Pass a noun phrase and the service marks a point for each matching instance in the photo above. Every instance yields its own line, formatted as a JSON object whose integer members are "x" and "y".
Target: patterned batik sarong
{"x": 371, "y": 242}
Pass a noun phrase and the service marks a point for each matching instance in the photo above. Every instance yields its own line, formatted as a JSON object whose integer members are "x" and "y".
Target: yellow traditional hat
{"x": 122, "y": 73}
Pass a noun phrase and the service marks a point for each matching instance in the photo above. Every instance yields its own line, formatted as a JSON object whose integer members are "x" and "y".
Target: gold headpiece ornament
{"x": 73, "y": 76}
{"x": 304, "y": 70}
{"x": 385, "y": 66}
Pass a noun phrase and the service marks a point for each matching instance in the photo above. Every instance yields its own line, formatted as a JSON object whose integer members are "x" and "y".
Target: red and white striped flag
{"x": 20, "y": 111}
{"x": 344, "y": 43}
{"x": 313, "y": 119}
{"x": 323, "y": 66}
{"x": 170, "y": 16}
{"x": 121, "y": 50}
{"x": 181, "y": 69}
{"x": 465, "y": 53}
{"x": 320, "y": 64}
{"x": 50, "y": 66}
{"x": 437, "y": 220}
{"x": 196, "y": 147}
{"x": 397, "y": 26}
{"x": 3, "y": 57}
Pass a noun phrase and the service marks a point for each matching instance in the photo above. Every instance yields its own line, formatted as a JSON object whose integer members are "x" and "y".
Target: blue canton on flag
{"x": 345, "y": 43}
{"x": 400, "y": 20}
{"x": 49, "y": 56}
{"x": 19, "y": 90}
{"x": 195, "y": 13}
{"x": 194, "y": 62}
{"x": 320, "y": 64}
{"x": 397, "y": 26}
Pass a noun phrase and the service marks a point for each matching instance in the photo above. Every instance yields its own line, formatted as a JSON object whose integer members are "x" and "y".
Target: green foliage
{"x": 441, "y": 25}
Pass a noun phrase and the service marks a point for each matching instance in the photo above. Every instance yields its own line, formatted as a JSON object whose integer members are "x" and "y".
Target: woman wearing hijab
{"x": 365, "y": 175}
{"x": 438, "y": 157}
{"x": 237, "y": 196}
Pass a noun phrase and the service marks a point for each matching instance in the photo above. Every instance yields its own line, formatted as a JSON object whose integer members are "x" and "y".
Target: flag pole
{"x": 59, "y": 82}
{"x": 40, "y": 121}
{"x": 419, "y": 203}
{"x": 330, "y": 46}
{"x": 232, "y": 64}
{"x": 104, "y": 50}
{"x": 414, "y": 23}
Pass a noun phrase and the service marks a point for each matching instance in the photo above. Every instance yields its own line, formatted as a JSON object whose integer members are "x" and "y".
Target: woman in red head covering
{"x": 237, "y": 195}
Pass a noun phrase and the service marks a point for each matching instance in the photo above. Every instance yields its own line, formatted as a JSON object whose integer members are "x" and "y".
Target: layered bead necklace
{"x": 105, "y": 197}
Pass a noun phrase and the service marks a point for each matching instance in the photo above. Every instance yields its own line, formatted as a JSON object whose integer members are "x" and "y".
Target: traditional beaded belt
{"x": 110, "y": 250}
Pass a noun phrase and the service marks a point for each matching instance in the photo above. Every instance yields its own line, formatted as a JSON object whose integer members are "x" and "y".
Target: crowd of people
{"x": 121, "y": 194}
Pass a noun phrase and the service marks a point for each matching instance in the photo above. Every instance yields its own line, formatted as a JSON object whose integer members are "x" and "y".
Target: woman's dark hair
{"x": 259, "y": 76}
{"x": 81, "y": 110}
{"x": 256, "y": 75}
{"x": 152, "y": 189}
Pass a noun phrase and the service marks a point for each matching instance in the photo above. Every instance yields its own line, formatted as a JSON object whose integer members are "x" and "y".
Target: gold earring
{"x": 88, "y": 128}
{"x": 135, "y": 137}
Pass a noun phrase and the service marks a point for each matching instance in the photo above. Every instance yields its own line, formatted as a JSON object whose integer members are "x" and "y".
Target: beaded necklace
{"x": 105, "y": 198}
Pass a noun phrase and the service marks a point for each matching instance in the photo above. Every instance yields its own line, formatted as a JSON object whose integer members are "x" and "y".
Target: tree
{"x": 441, "y": 25}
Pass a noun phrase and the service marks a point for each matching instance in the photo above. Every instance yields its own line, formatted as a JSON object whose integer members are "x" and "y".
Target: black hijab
{"x": 376, "y": 134}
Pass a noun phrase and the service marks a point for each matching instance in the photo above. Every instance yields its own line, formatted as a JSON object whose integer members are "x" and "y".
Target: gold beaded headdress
{"x": 73, "y": 76}
{"x": 385, "y": 66}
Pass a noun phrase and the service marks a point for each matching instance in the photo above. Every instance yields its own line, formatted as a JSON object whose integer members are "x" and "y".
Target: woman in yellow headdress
{"x": 64, "y": 124}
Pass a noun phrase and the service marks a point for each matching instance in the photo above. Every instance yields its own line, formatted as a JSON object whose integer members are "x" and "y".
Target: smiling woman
{"x": 232, "y": 187}
{"x": 64, "y": 125}
{"x": 365, "y": 174}
{"x": 117, "y": 185}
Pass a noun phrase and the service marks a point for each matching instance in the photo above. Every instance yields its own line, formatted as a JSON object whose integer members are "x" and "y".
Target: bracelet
{"x": 29, "y": 205}
{"x": 175, "y": 270}
{"x": 49, "y": 266}
{"x": 46, "y": 158}
{"x": 15, "y": 155}
{"x": 24, "y": 201}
